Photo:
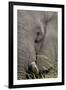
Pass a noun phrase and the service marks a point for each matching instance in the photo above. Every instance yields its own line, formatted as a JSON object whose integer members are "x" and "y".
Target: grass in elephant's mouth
{"x": 46, "y": 70}
{"x": 33, "y": 76}
{"x": 51, "y": 73}
{"x": 41, "y": 75}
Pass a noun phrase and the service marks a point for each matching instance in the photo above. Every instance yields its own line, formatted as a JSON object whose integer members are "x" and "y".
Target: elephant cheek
{"x": 26, "y": 55}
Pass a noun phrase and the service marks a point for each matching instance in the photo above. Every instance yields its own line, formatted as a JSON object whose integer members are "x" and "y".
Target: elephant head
{"x": 33, "y": 38}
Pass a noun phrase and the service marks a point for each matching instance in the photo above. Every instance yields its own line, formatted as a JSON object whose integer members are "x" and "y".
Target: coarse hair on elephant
{"x": 37, "y": 44}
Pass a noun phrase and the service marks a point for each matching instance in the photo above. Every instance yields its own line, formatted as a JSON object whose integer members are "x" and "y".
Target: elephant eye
{"x": 36, "y": 41}
{"x": 38, "y": 33}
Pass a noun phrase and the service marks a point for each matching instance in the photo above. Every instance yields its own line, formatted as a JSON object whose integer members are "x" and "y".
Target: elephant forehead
{"x": 33, "y": 15}
{"x": 33, "y": 21}
{"x": 30, "y": 18}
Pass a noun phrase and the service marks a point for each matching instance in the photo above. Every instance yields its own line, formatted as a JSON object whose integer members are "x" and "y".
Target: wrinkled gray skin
{"x": 37, "y": 35}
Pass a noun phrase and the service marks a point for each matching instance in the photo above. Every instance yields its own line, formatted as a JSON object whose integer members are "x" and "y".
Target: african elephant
{"x": 37, "y": 41}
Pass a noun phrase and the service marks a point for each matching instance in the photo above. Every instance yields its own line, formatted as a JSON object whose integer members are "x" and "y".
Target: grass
{"x": 49, "y": 69}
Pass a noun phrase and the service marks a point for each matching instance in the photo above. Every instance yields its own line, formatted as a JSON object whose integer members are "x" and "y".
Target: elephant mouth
{"x": 40, "y": 69}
